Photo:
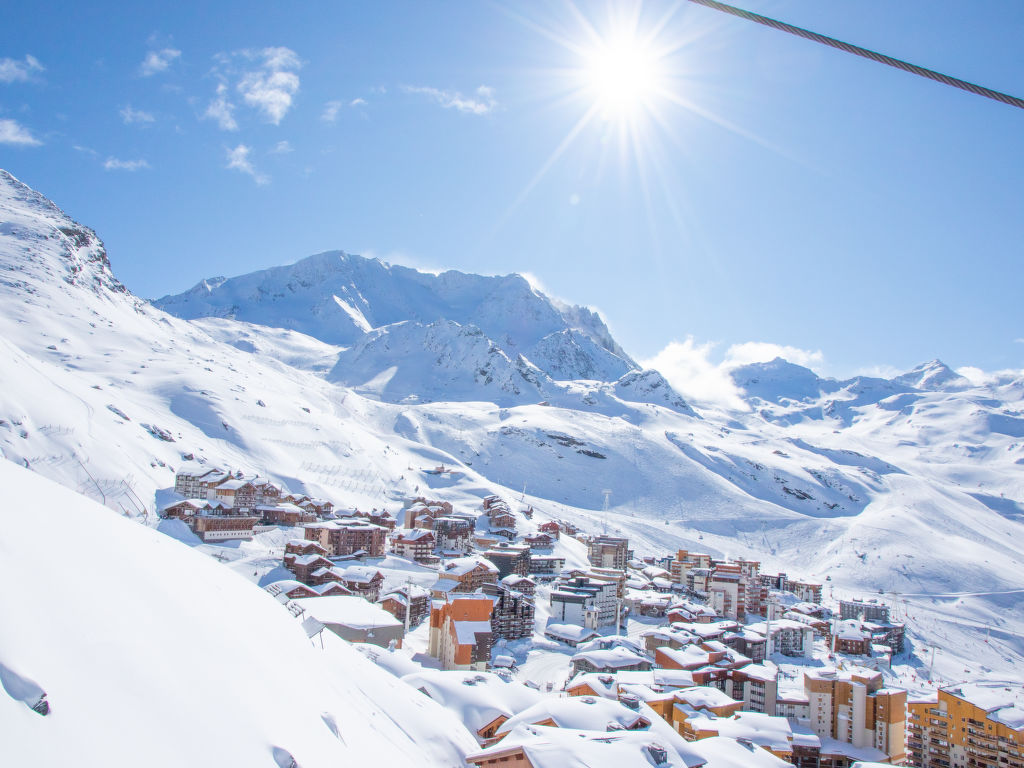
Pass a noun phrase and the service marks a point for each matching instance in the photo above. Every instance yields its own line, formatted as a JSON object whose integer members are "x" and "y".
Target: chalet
{"x": 852, "y": 637}
{"x": 346, "y": 537}
{"x": 362, "y": 580}
{"x": 305, "y": 566}
{"x": 471, "y": 573}
{"x": 460, "y": 631}
{"x": 550, "y": 528}
{"x": 539, "y": 541}
{"x": 570, "y": 634}
{"x": 383, "y": 518}
{"x": 422, "y": 512}
{"x": 284, "y": 514}
{"x": 408, "y": 599}
{"x": 510, "y": 558}
{"x": 609, "y": 660}
{"x": 236, "y": 493}
{"x": 523, "y": 584}
{"x": 195, "y": 483}
{"x": 414, "y": 544}
{"x": 186, "y": 510}
{"x": 303, "y": 547}
{"x": 212, "y": 521}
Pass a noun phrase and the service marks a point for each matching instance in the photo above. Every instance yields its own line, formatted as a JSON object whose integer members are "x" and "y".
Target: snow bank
{"x": 155, "y": 654}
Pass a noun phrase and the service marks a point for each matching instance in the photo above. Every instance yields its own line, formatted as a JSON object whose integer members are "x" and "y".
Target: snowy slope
{"x": 157, "y": 655}
{"x": 908, "y": 486}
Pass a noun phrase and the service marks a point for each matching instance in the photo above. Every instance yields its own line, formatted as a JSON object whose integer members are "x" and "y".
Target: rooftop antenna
{"x": 607, "y": 493}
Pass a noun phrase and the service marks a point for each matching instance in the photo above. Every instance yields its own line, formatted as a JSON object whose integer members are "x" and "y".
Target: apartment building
{"x": 609, "y": 552}
{"x": 980, "y": 725}
{"x": 852, "y": 706}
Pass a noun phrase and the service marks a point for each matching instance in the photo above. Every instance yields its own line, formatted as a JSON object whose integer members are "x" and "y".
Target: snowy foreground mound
{"x": 152, "y": 654}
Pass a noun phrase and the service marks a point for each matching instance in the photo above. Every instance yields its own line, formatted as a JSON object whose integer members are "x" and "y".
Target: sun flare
{"x": 622, "y": 76}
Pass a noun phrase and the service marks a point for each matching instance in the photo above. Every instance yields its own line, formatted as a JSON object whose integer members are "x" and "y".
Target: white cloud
{"x": 222, "y": 111}
{"x": 131, "y": 115}
{"x": 282, "y": 148}
{"x": 690, "y": 370}
{"x": 482, "y": 103}
{"x": 158, "y": 61}
{"x": 330, "y": 113}
{"x": 979, "y": 377}
{"x": 357, "y": 102}
{"x": 238, "y": 160}
{"x": 271, "y": 87}
{"x": 763, "y": 352}
{"x": 84, "y": 150}
{"x": 1018, "y": 341}
{"x": 13, "y": 132}
{"x": 12, "y": 70}
{"x": 113, "y": 164}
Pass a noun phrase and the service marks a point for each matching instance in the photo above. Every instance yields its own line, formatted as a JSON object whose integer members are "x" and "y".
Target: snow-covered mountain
{"x": 912, "y": 485}
{"x": 348, "y": 300}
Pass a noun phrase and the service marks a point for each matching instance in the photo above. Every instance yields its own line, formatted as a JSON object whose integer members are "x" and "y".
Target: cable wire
{"x": 881, "y": 58}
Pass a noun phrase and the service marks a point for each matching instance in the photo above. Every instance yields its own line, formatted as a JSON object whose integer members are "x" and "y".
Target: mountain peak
{"x": 39, "y": 242}
{"x": 933, "y": 375}
{"x": 338, "y": 298}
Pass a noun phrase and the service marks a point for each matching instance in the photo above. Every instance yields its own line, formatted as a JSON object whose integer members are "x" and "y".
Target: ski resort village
{"x": 622, "y": 440}
{"x": 522, "y": 623}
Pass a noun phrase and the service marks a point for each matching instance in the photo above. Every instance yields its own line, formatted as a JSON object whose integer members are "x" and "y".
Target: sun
{"x": 622, "y": 75}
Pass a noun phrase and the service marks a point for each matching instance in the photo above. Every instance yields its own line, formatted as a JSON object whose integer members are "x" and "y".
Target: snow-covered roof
{"x": 768, "y": 731}
{"x": 723, "y": 752}
{"x": 583, "y": 713}
{"x": 611, "y": 658}
{"x": 414, "y": 535}
{"x": 547, "y": 747}
{"x": 601, "y": 683}
{"x": 1002, "y": 702}
{"x": 359, "y": 573}
{"x": 705, "y": 697}
{"x": 463, "y": 565}
{"x": 687, "y": 657}
{"x": 477, "y": 698}
{"x": 349, "y": 611}
{"x": 466, "y": 631}
{"x": 570, "y": 632}
{"x": 444, "y": 585}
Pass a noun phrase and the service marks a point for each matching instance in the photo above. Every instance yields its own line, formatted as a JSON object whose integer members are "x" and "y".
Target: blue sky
{"x": 757, "y": 187}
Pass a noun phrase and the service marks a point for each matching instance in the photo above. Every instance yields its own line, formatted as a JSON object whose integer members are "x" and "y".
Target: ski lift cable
{"x": 856, "y": 50}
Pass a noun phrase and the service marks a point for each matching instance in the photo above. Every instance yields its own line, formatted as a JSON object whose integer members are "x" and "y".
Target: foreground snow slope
{"x": 152, "y": 654}
{"x": 912, "y": 486}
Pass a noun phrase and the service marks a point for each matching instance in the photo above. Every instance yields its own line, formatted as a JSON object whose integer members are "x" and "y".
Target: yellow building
{"x": 976, "y": 725}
